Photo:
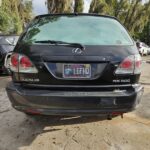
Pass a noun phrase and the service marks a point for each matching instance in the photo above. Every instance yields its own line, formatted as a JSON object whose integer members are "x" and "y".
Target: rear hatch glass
{"x": 87, "y": 30}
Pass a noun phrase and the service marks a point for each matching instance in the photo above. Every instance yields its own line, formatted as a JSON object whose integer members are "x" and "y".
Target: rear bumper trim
{"x": 73, "y": 102}
{"x": 70, "y": 112}
{"x": 79, "y": 86}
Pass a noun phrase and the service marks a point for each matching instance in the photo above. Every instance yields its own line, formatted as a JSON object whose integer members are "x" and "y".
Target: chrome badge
{"x": 77, "y": 51}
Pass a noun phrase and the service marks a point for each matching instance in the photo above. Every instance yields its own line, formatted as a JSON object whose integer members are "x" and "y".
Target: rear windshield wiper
{"x": 78, "y": 45}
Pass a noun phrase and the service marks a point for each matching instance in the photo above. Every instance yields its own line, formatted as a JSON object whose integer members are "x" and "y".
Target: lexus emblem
{"x": 77, "y": 51}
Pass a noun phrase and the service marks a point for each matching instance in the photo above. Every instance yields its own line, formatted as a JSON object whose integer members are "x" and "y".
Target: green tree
{"x": 98, "y": 6}
{"x": 14, "y": 14}
{"x": 145, "y": 34}
{"x": 5, "y": 22}
{"x": 116, "y": 7}
{"x": 59, "y": 6}
{"x": 137, "y": 17}
{"x": 78, "y": 6}
{"x": 132, "y": 13}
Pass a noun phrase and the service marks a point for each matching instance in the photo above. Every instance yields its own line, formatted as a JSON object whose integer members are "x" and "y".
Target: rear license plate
{"x": 76, "y": 71}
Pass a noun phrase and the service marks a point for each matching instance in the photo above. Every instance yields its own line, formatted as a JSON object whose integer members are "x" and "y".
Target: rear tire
{"x": 30, "y": 114}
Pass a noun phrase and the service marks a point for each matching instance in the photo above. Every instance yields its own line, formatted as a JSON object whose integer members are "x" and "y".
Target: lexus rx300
{"x": 75, "y": 64}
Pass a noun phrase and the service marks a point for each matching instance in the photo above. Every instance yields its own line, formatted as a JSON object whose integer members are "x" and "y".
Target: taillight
{"x": 22, "y": 64}
{"x": 25, "y": 62}
{"x": 138, "y": 64}
{"x": 130, "y": 65}
{"x": 14, "y": 62}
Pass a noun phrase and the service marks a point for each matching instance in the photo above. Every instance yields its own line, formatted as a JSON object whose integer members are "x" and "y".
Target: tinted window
{"x": 88, "y": 30}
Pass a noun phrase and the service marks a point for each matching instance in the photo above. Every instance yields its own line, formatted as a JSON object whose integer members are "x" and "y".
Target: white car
{"x": 143, "y": 48}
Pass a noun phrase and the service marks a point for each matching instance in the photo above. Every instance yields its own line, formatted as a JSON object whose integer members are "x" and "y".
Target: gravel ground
{"x": 19, "y": 132}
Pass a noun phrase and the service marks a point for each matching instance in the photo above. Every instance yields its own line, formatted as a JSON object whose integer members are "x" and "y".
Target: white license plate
{"x": 76, "y": 71}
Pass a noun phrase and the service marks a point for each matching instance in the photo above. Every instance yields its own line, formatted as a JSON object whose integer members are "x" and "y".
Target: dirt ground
{"x": 19, "y": 132}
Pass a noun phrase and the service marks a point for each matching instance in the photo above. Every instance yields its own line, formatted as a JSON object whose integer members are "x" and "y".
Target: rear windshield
{"x": 87, "y": 30}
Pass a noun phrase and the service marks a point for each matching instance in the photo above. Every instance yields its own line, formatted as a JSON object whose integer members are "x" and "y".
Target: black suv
{"x": 75, "y": 64}
{"x": 7, "y": 44}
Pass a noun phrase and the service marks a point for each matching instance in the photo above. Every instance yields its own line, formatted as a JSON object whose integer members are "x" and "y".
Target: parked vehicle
{"x": 7, "y": 44}
{"x": 143, "y": 48}
{"x": 75, "y": 64}
{"x": 148, "y": 51}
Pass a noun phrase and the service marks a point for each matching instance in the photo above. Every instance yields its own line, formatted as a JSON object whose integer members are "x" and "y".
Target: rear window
{"x": 87, "y": 30}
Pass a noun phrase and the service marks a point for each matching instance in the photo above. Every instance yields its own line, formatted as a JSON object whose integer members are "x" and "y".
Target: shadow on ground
{"x": 25, "y": 129}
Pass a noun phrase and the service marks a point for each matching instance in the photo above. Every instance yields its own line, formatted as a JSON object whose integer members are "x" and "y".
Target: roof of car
{"x": 76, "y": 14}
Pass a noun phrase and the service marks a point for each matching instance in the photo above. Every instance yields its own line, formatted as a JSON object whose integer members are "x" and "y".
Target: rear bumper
{"x": 53, "y": 102}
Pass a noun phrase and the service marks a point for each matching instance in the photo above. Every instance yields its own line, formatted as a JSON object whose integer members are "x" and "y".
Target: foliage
{"x": 98, "y": 6}
{"x": 4, "y": 21}
{"x": 78, "y": 6}
{"x": 59, "y": 6}
{"x": 14, "y": 14}
{"x": 132, "y": 13}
